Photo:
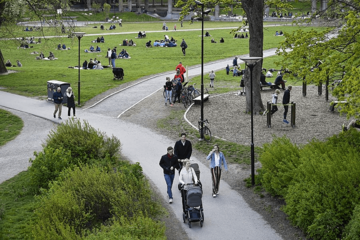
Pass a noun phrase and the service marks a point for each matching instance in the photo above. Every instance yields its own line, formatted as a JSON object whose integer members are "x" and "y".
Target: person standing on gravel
{"x": 216, "y": 158}
{"x": 58, "y": 98}
{"x": 183, "y": 46}
{"x": 286, "y": 100}
{"x": 169, "y": 162}
{"x": 212, "y": 78}
{"x": 274, "y": 99}
{"x": 183, "y": 149}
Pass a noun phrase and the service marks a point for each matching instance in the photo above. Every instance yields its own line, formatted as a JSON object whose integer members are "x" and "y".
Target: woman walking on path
{"x": 216, "y": 158}
{"x": 70, "y": 100}
{"x": 212, "y": 78}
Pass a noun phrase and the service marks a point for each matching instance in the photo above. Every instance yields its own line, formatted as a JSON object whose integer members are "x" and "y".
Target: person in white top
{"x": 216, "y": 158}
{"x": 109, "y": 55}
{"x": 212, "y": 78}
{"x": 274, "y": 99}
{"x": 186, "y": 176}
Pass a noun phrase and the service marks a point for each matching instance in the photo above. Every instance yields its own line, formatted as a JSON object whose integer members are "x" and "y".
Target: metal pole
{"x": 252, "y": 129}
{"x": 79, "y": 74}
{"x": 202, "y": 72}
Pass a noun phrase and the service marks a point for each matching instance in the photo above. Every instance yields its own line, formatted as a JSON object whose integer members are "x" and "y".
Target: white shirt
{"x": 212, "y": 75}
{"x": 274, "y": 98}
{"x": 269, "y": 74}
{"x": 109, "y": 53}
{"x": 217, "y": 159}
{"x": 186, "y": 176}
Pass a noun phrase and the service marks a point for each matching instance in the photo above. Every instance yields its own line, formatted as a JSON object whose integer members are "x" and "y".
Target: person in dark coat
{"x": 169, "y": 162}
{"x": 286, "y": 100}
{"x": 183, "y": 149}
{"x": 70, "y": 100}
{"x": 183, "y": 46}
{"x": 227, "y": 69}
{"x": 58, "y": 98}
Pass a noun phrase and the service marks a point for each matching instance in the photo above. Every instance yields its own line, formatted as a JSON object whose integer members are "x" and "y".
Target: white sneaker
{"x": 214, "y": 195}
{"x": 170, "y": 200}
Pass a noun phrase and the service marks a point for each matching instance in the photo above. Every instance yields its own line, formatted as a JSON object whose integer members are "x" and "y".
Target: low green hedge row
{"x": 86, "y": 192}
{"x": 319, "y": 183}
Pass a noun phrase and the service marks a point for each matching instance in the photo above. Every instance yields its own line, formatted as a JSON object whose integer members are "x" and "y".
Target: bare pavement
{"x": 226, "y": 217}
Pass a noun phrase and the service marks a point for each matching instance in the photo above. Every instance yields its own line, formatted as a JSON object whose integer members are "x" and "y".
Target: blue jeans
{"x": 169, "y": 179}
{"x": 113, "y": 62}
{"x": 168, "y": 96}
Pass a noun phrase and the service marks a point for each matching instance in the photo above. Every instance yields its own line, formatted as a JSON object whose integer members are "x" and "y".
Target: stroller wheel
{"x": 189, "y": 224}
{"x": 184, "y": 218}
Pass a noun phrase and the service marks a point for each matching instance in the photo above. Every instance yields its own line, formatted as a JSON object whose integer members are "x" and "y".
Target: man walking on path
{"x": 183, "y": 149}
{"x": 183, "y": 46}
{"x": 58, "y": 98}
{"x": 169, "y": 162}
{"x": 286, "y": 100}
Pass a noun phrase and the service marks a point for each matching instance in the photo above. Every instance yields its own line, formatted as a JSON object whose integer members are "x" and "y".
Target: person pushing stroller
{"x": 187, "y": 177}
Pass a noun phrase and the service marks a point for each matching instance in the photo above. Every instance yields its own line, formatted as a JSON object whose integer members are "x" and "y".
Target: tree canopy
{"x": 331, "y": 54}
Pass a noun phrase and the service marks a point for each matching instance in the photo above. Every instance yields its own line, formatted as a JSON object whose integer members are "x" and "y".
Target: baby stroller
{"x": 192, "y": 200}
{"x": 118, "y": 73}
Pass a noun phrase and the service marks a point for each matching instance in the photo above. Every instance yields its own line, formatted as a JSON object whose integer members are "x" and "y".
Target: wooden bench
{"x": 333, "y": 103}
{"x": 272, "y": 86}
{"x": 197, "y": 100}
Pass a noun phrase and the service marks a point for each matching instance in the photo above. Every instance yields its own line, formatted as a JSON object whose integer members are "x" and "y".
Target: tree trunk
{"x": 121, "y": 5}
{"x": 2, "y": 64}
{"x": 254, "y": 14}
{"x": 313, "y": 6}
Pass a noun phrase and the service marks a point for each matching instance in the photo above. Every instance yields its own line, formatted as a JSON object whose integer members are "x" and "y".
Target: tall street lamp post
{"x": 251, "y": 62}
{"x": 79, "y": 35}
{"x": 202, "y": 66}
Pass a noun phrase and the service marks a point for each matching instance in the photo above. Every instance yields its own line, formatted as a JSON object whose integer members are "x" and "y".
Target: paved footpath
{"x": 226, "y": 217}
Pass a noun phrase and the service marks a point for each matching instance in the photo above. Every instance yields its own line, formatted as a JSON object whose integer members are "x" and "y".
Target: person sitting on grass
{"x": 125, "y": 42}
{"x": 18, "y": 63}
{"x": 102, "y": 40}
{"x": 172, "y": 39}
{"x": 213, "y": 41}
{"x": 59, "y": 46}
{"x": 102, "y": 27}
{"x": 51, "y": 56}
{"x": 207, "y": 34}
{"x": 85, "y": 65}
{"x": 64, "y": 46}
{"x": 222, "y": 40}
{"x": 91, "y": 64}
{"x": 98, "y": 39}
{"x": 235, "y": 74}
{"x": 148, "y": 44}
{"x": 98, "y": 66}
{"x": 92, "y": 48}
{"x": 8, "y": 63}
{"x": 131, "y": 43}
{"x": 98, "y": 49}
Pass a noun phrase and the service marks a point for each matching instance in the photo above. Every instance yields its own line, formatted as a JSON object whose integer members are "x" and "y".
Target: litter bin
{"x": 52, "y": 85}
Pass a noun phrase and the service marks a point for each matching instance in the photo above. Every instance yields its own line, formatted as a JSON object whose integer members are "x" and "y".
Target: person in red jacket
{"x": 179, "y": 76}
{"x": 182, "y": 69}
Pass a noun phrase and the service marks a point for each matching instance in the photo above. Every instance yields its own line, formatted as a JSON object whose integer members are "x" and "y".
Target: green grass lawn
{"x": 10, "y": 126}
{"x": 30, "y": 80}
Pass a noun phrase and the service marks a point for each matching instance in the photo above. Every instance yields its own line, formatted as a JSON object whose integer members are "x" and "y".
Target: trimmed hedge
{"x": 320, "y": 182}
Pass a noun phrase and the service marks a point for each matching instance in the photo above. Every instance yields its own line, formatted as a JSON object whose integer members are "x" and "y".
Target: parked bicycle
{"x": 186, "y": 97}
{"x": 196, "y": 92}
{"x": 206, "y": 131}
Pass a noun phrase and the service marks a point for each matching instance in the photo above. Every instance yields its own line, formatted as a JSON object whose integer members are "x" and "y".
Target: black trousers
{"x": 70, "y": 109}
{"x": 286, "y": 108}
{"x": 273, "y": 109}
{"x": 183, "y": 50}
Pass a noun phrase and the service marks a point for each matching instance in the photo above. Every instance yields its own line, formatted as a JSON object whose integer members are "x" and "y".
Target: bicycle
{"x": 206, "y": 131}
{"x": 196, "y": 92}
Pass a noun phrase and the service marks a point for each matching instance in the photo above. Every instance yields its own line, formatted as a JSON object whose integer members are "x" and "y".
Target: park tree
{"x": 254, "y": 11}
{"x": 12, "y": 11}
{"x": 332, "y": 54}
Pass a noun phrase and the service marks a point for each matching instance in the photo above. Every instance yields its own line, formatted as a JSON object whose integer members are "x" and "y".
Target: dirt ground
{"x": 226, "y": 114}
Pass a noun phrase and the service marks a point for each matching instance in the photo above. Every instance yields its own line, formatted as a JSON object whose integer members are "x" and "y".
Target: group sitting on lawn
{"x": 92, "y": 65}
{"x": 92, "y": 49}
{"x": 141, "y": 34}
{"x": 162, "y": 43}
{"x": 241, "y": 35}
{"x": 124, "y": 54}
{"x": 61, "y": 47}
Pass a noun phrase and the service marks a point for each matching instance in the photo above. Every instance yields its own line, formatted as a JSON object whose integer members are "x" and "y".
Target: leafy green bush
{"x": 88, "y": 197}
{"x": 321, "y": 182}
{"x": 83, "y": 141}
{"x": 279, "y": 161}
{"x": 139, "y": 227}
{"x": 47, "y": 166}
{"x": 352, "y": 230}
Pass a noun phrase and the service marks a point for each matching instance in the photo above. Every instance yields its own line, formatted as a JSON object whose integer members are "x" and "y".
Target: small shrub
{"x": 352, "y": 230}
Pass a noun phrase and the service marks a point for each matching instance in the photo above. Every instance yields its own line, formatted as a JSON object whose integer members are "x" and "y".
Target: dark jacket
{"x": 183, "y": 44}
{"x": 113, "y": 55}
{"x": 183, "y": 151}
{"x": 166, "y": 162}
{"x": 286, "y": 97}
{"x": 178, "y": 87}
{"x": 70, "y": 101}
{"x": 278, "y": 80}
{"x": 168, "y": 85}
{"x": 58, "y": 97}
